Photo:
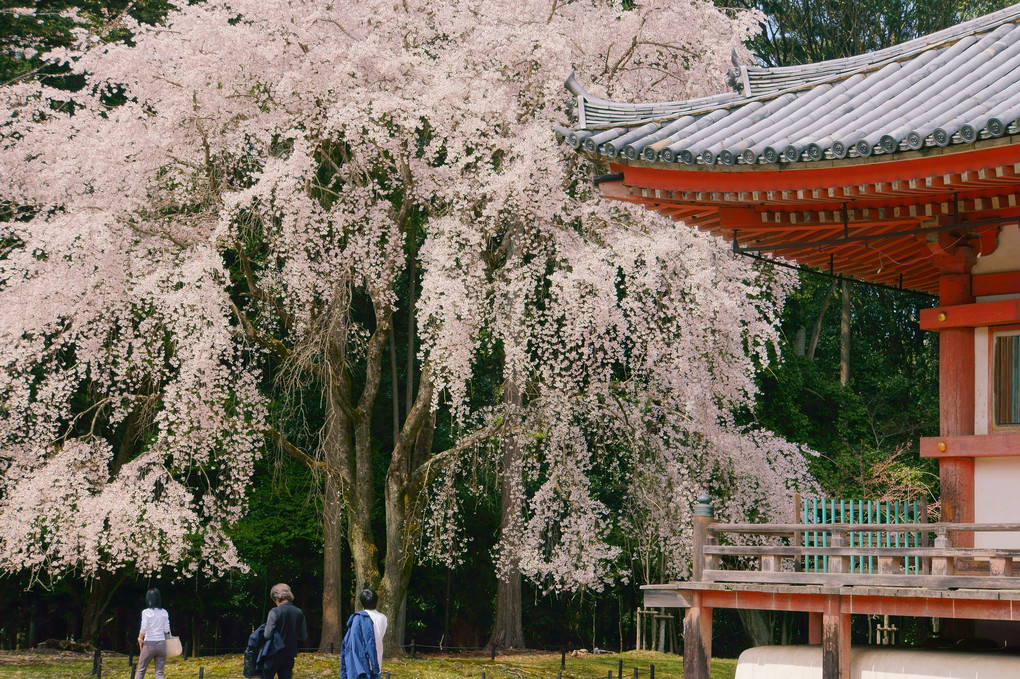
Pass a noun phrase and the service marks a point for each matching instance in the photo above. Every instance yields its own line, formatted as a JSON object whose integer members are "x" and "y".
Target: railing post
{"x": 941, "y": 565}
{"x": 704, "y": 516}
{"x": 798, "y": 538}
{"x": 1001, "y": 566}
{"x": 838, "y": 564}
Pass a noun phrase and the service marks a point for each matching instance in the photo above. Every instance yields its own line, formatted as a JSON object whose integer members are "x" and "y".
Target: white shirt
{"x": 379, "y": 622}
{"x": 155, "y": 624}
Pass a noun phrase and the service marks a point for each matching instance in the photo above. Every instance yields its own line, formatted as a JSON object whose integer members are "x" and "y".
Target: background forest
{"x": 848, "y": 375}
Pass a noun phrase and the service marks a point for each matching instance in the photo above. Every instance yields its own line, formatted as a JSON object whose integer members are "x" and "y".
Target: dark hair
{"x": 368, "y": 599}
{"x": 153, "y": 599}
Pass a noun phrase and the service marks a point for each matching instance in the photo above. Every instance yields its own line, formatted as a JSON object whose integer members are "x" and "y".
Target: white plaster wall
{"x": 1006, "y": 256}
{"x": 997, "y": 499}
{"x": 982, "y": 370}
{"x": 876, "y": 662}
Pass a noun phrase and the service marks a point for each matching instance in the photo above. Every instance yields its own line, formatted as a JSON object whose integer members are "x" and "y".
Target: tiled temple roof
{"x": 951, "y": 87}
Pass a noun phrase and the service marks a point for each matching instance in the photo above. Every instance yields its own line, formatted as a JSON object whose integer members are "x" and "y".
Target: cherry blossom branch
{"x": 281, "y": 350}
{"x": 183, "y": 245}
{"x": 256, "y": 291}
{"x": 106, "y": 28}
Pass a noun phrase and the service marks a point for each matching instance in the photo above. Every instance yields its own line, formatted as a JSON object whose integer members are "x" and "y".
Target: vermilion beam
{"x": 995, "y": 283}
{"x": 983, "y": 314}
{"x": 896, "y": 603}
{"x": 979, "y": 445}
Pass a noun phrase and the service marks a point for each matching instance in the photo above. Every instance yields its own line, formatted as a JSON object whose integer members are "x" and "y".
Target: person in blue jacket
{"x": 361, "y": 650}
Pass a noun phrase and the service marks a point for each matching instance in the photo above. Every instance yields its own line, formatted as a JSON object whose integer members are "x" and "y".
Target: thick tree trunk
{"x": 402, "y": 514}
{"x": 332, "y": 569}
{"x": 398, "y": 560}
{"x": 508, "y": 631}
{"x": 398, "y": 563}
{"x": 364, "y": 552}
{"x": 337, "y": 452}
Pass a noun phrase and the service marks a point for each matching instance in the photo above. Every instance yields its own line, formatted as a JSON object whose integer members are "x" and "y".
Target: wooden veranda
{"x": 948, "y": 582}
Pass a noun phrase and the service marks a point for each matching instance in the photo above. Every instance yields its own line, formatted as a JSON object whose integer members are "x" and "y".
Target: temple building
{"x": 899, "y": 167}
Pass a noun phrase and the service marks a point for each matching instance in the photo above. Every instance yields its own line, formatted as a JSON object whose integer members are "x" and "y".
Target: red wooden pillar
{"x": 956, "y": 393}
{"x": 835, "y": 640}
{"x": 697, "y": 640}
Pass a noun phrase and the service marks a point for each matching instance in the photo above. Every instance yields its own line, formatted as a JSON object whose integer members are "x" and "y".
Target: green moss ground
{"x": 38, "y": 665}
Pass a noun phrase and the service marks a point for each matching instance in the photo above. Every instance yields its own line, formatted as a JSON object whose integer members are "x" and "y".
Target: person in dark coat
{"x": 289, "y": 622}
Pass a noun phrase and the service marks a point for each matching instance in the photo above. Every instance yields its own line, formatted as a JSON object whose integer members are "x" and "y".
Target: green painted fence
{"x": 823, "y": 511}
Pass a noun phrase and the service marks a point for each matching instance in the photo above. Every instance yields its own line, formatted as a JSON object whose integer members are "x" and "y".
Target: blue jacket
{"x": 266, "y": 647}
{"x": 358, "y": 657}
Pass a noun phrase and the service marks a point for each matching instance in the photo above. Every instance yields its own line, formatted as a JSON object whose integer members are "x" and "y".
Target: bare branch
{"x": 434, "y": 464}
{"x": 315, "y": 465}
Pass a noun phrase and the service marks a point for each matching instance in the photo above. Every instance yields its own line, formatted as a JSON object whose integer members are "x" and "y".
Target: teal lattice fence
{"x": 822, "y": 511}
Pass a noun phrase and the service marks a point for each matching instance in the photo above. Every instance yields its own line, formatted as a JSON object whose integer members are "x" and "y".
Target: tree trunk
{"x": 332, "y": 569}
{"x": 196, "y": 636}
{"x": 844, "y": 338}
{"x": 402, "y": 515}
{"x": 100, "y": 591}
{"x": 800, "y": 341}
{"x": 758, "y": 625}
{"x": 337, "y": 452}
{"x": 816, "y": 329}
{"x": 507, "y": 631}
{"x": 391, "y": 582}
{"x": 398, "y": 560}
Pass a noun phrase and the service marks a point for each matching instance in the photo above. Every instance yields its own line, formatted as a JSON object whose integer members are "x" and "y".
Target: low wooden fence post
{"x": 704, "y": 516}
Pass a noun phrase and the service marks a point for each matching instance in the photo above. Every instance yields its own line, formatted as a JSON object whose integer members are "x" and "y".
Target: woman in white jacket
{"x": 152, "y": 635}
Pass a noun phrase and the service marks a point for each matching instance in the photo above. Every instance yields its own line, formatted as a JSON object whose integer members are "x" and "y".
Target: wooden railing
{"x": 940, "y": 566}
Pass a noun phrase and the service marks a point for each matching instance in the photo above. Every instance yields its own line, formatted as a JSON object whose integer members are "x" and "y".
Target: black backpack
{"x": 250, "y": 669}
{"x": 251, "y": 652}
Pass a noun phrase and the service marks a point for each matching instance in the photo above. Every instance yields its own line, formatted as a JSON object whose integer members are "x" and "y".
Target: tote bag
{"x": 173, "y": 647}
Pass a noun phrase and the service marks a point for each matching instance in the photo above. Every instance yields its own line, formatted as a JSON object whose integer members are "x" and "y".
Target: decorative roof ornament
{"x": 737, "y": 76}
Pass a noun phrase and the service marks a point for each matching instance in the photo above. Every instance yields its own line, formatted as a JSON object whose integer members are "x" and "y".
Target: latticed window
{"x": 1007, "y": 380}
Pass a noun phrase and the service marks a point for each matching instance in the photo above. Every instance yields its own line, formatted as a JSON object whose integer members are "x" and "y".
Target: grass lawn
{"x": 49, "y": 665}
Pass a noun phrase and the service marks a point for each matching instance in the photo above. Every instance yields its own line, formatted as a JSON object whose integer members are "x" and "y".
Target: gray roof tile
{"x": 952, "y": 87}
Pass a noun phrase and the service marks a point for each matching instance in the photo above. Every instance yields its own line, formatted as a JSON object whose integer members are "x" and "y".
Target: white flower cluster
{"x": 315, "y": 142}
